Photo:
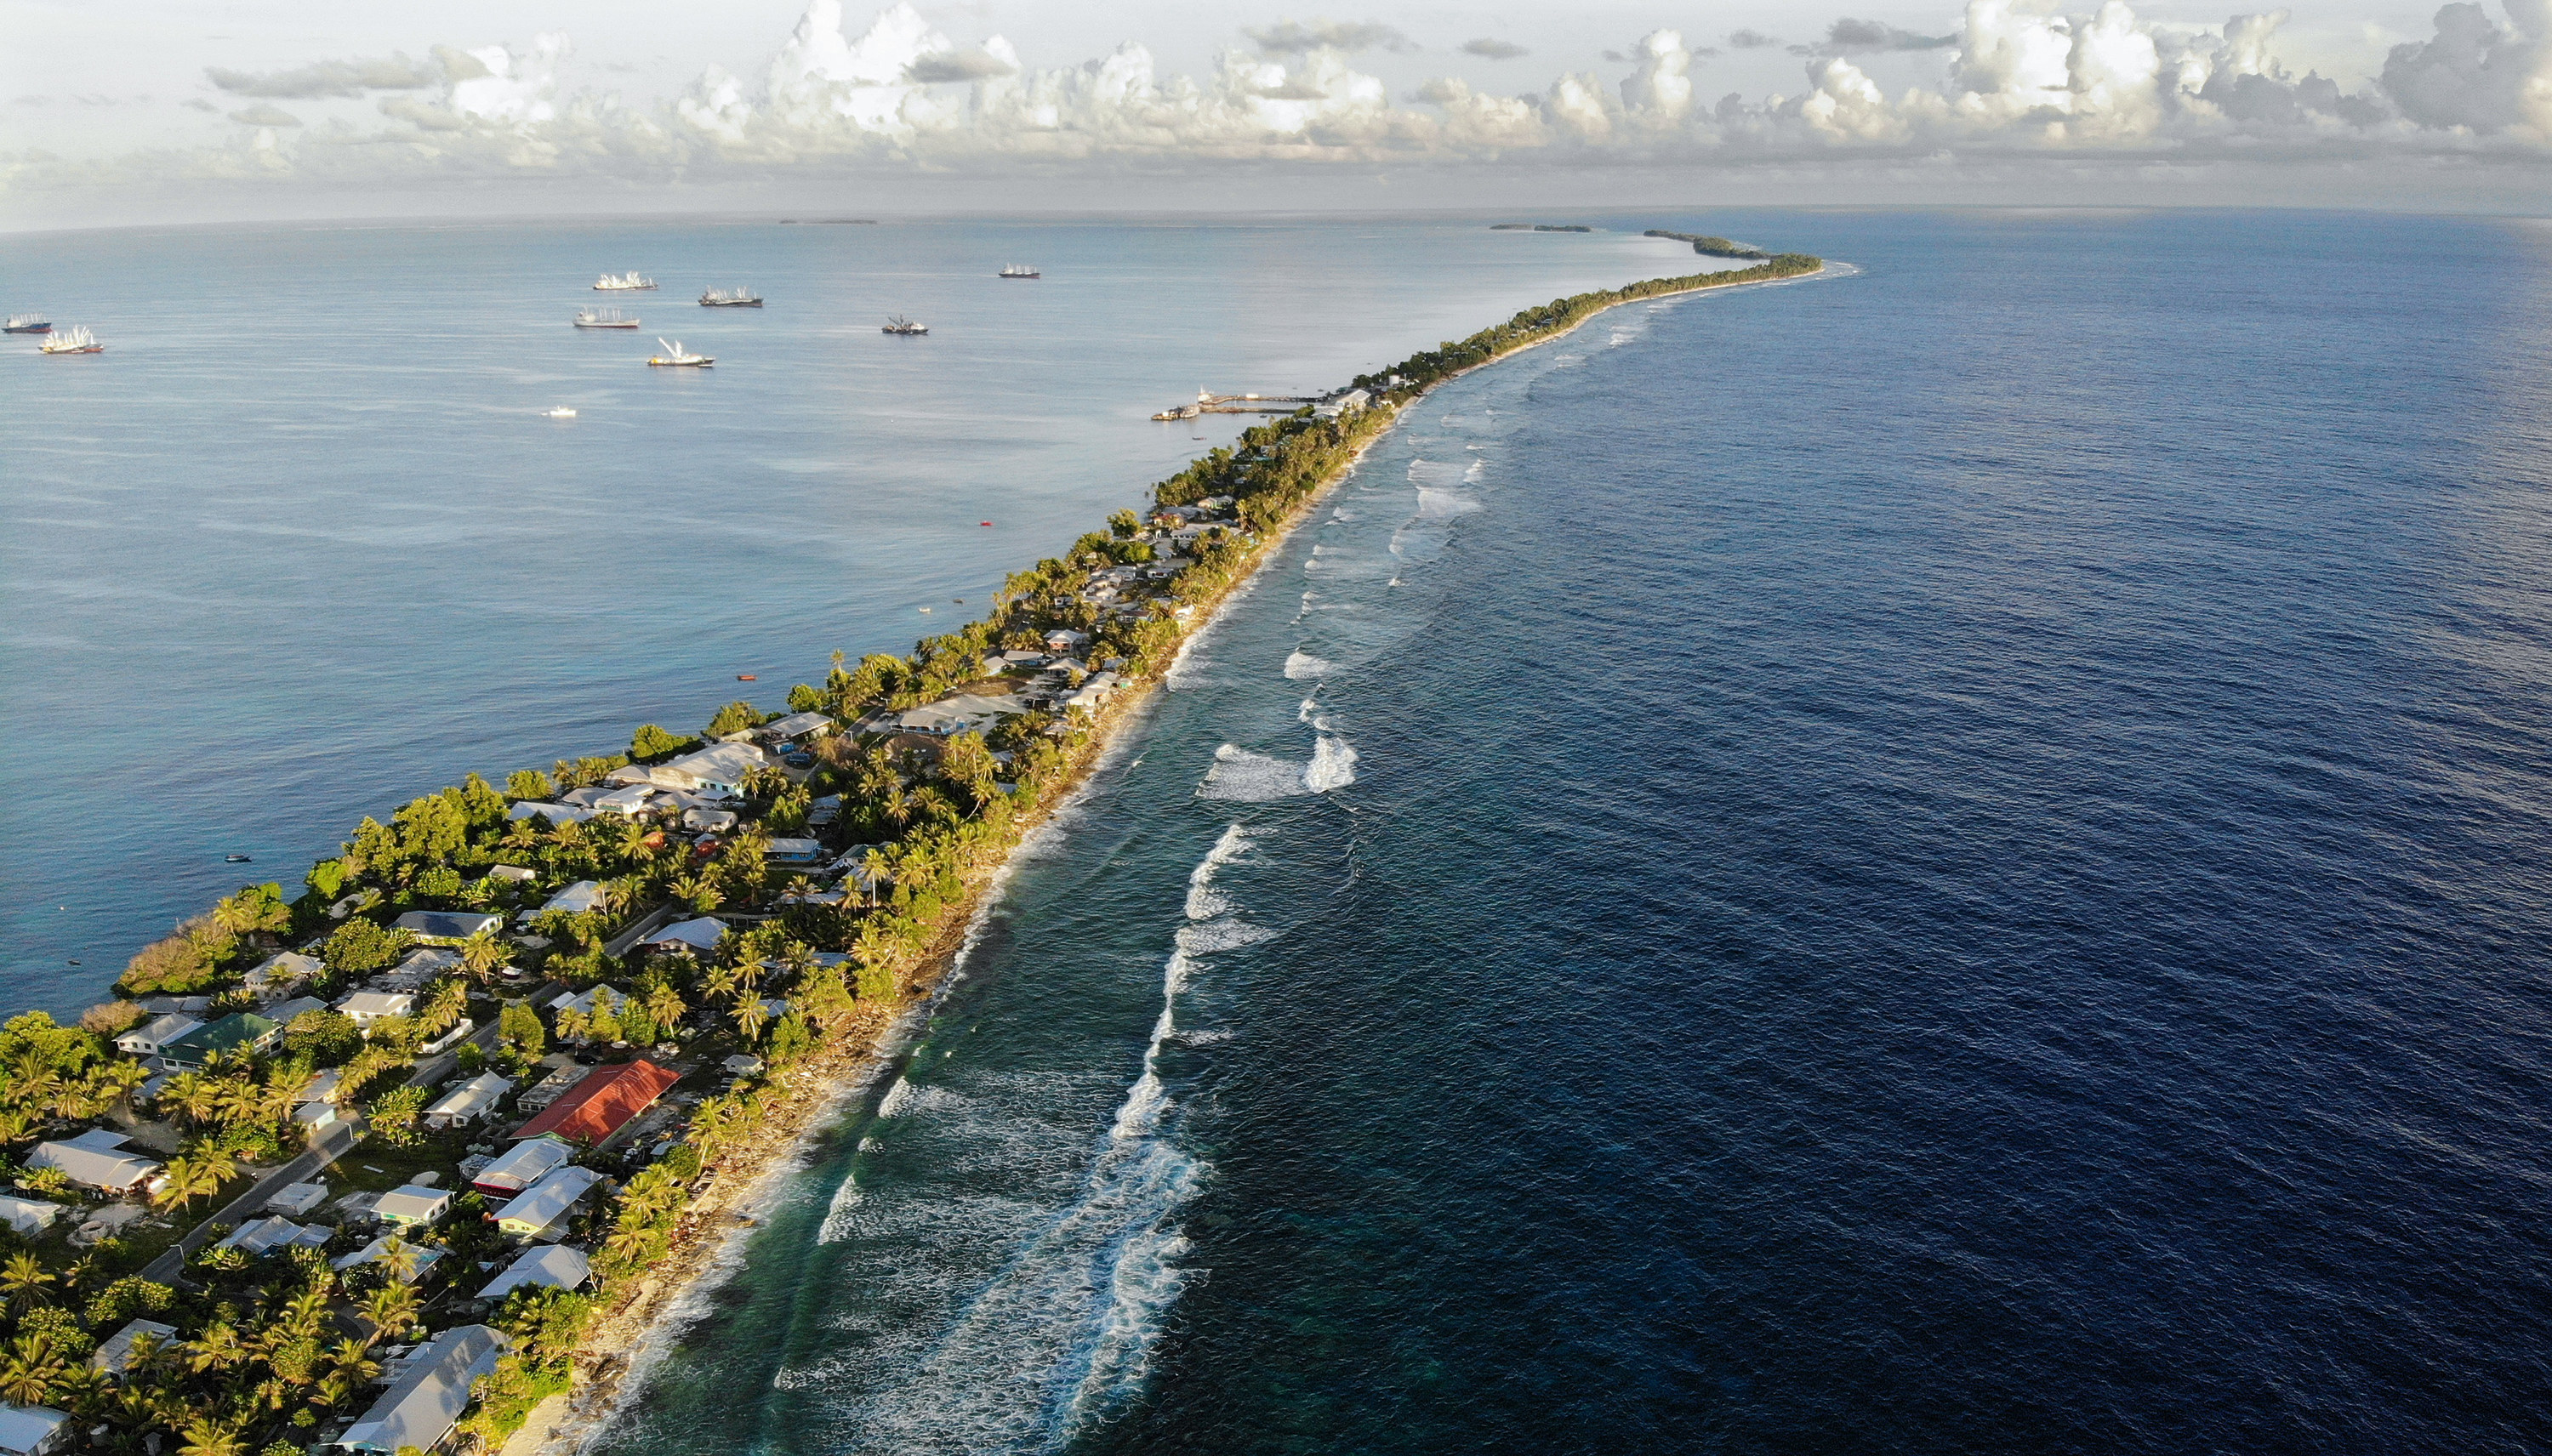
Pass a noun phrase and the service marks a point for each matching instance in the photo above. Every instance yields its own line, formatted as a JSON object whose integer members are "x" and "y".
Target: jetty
{"x": 1208, "y": 402}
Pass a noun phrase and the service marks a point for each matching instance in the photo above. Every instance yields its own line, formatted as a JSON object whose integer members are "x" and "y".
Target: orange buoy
{"x": 744, "y": 678}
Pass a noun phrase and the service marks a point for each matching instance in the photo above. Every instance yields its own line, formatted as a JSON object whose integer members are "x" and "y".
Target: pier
{"x": 1208, "y": 404}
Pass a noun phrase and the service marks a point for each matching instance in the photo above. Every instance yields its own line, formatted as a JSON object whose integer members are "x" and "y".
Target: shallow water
{"x": 1943, "y": 860}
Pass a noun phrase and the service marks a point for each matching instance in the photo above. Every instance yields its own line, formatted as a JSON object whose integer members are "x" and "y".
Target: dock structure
{"x": 1209, "y": 403}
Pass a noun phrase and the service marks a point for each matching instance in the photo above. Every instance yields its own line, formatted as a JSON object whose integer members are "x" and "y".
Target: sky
{"x": 143, "y": 111}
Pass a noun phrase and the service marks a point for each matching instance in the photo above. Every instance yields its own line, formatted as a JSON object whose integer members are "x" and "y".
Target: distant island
{"x": 1713, "y": 246}
{"x": 1537, "y": 227}
{"x": 830, "y": 221}
{"x": 498, "y": 1079}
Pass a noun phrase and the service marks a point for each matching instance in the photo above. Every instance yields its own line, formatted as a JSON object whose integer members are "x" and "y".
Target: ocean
{"x": 1947, "y": 858}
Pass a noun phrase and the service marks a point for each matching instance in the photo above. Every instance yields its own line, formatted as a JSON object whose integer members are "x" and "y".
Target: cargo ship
{"x": 1019, "y": 270}
{"x": 602, "y": 318}
{"x": 675, "y": 357}
{"x": 899, "y": 324}
{"x": 730, "y": 298}
{"x": 77, "y": 341}
{"x": 30, "y": 323}
{"x": 622, "y": 283}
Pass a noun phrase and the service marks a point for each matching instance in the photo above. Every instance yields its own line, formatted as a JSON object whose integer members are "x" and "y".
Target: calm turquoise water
{"x": 1943, "y": 860}
{"x": 299, "y": 545}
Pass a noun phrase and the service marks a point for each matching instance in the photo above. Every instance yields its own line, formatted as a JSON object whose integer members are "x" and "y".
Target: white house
{"x": 369, "y": 1007}
{"x": 279, "y": 974}
{"x": 417, "y": 1257}
{"x": 554, "y": 1265}
{"x": 961, "y": 713}
{"x": 31, "y": 1430}
{"x": 261, "y": 1235}
{"x": 700, "y": 935}
{"x": 446, "y": 924}
{"x": 555, "y": 813}
{"x": 546, "y": 1202}
{"x": 576, "y": 899}
{"x": 89, "y": 1167}
{"x": 798, "y": 725}
{"x": 470, "y": 1102}
{"x": 425, "y": 1402}
{"x": 30, "y": 1216}
{"x": 717, "y": 769}
{"x": 707, "y": 821}
{"x": 526, "y": 1163}
{"x": 409, "y": 1204}
{"x": 297, "y": 1199}
{"x": 146, "y": 1039}
{"x": 793, "y": 851}
{"x": 115, "y": 1357}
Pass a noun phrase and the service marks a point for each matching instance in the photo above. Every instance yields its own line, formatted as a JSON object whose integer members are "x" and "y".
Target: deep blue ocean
{"x": 1951, "y": 858}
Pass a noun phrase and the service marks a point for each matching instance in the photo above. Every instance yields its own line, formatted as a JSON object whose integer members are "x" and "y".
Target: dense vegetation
{"x": 270, "y": 1349}
{"x": 1704, "y": 243}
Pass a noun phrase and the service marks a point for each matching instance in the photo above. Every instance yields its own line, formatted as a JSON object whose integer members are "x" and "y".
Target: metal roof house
{"x": 409, "y": 1204}
{"x": 576, "y": 899}
{"x": 146, "y": 1039}
{"x": 601, "y": 1104}
{"x": 369, "y": 1007}
{"x": 554, "y": 1265}
{"x": 446, "y": 924}
{"x": 105, "y": 1171}
{"x": 546, "y": 1202}
{"x": 699, "y": 935}
{"x": 30, "y": 1216}
{"x": 278, "y": 974}
{"x": 242, "y": 1031}
{"x": 425, "y": 1402}
{"x": 526, "y": 1163}
{"x": 798, "y": 725}
{"x": 470, "y": 1102}
{"x": 115, "y": 1357}
{"x": 718, "y": 769}
{"x": 418, "y": 1257}
{"x": 31, "y": 1430}
{"x": 264, "y": 1235}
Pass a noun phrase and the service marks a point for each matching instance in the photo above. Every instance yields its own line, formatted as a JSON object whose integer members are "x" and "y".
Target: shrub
{"x": 650, "y": 743}
{"x": 359, "y": 948}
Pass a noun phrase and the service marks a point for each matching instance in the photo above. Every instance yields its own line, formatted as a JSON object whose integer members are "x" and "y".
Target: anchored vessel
{"x": 30, "y": 323}
{"x": 628, "y": 282}
{"x": 675, "y": 357}
{"x": 560, "y": 413}
{"x": 1017, "y": 270}
{"x": 602, "y": 318}
{"x": 730, "y": 298}
{"x": 77, "y": 341}
{"x": 899, "y": 324}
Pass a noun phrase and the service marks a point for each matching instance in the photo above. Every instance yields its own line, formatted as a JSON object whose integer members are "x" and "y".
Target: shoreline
{"x": 619, "y": 1352}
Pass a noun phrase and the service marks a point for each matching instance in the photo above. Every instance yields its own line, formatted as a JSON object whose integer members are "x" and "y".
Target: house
{"x": 631, "y": 801}
{"x": 819, "y": 813}
{"x": 369, "y": 1007}
{"x": 603, "y": 1104}
{"x": 263, "y": 1235}
{"x": 554, "y": 813}
{"x": 277, "y": 975}
{"x": 468, "y": 1102}
{"x": 446, "y": 924}
{"x": 242, "y": 1031}
{"x": 965, "y": 712}
{"x": 419, "y": 967}
{"x": 323, "y": 1088}
{"x": 32, "y": 1430}
{"x": 710, "y": 821}
{"x": 699, "y": 935}
{"x": 107, "y": 1172}
{"x": 551, "y": 1088}
{"x": 743, "y": 1066}
{"x": 283, "y": 1012}
{"x": 521, "y": 1167}
{"x": 297, "y": 1199}
{"x": 546, "y": 1202}
{"x": 584, "y": 1002}
{"x": 146, "y": 1039}
{"x": 554, "y": 1265}
{"x": 798, "y": 725}
{"x": 793, "y": 851}
{"x": 718, "y": 770}
{"x": 1064, "y": 639}
{"x": 115, "y": 1357}
{"x": 398, "y": 1253}
{"x": 425, "y": 1401}
{"x": 582, "y": 897}
{"x": 408, "y": 1205}
{"x": 315, "y": 1117}
{"x": 30, "y": 1216}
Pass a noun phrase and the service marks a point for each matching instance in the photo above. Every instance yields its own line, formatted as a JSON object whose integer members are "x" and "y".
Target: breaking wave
{"x": 1332, "y": 766}
{"x": 1299, "y": 665}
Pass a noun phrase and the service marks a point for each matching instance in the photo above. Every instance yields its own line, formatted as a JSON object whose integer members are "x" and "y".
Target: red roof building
{"x": 601, "y": 1104}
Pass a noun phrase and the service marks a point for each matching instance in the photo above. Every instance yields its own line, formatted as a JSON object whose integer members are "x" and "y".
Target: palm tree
{"x": 750, "y": 1018}
{"x": 665, "y": 1004}
{"x": 206, "y": 1436}
{"x": 399, "y": 1258}
{"x": 483, "y": 955}
{"x": 217, "y": 1347}
{"x": 391, "y": 1307}
{"x": 24, "y": 1283}
{"x": 192, "y": 1094}
{"x": 30, "y": 1370}
{"x": 185, "y": 1179}
{"x": 451, "y": 998}
{"x": 348, "y": 1357}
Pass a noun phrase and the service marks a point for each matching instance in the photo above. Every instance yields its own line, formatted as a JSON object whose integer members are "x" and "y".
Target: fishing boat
{"x": 899, "y": 324}
{"x": 730, "y": 298}
{"x": 30, "y": 323}
{"x": 602, "y": 318}
{"x": 674, "y": 357}
{"x": 1019, "y": 270}
{"x": 560, "y": 413}
{"x": 77, "y": 341}
{"x": 628, "y": 282}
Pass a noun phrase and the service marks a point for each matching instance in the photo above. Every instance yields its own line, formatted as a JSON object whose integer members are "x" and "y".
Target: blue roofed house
{"x": 431, "y": 925}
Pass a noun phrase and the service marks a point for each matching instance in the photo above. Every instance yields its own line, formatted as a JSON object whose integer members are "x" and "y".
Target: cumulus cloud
{"x": 901, "y": 96}
{"x": 1488, "y": 48}
{"x": 325, "y": 79}
{"x": 262, "y": 115}
{"x": 1751, "y": 40}
{"x": 1296, "y": 37}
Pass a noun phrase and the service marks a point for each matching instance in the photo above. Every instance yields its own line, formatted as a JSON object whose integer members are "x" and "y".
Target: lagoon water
{"x": 1946, "y": 859}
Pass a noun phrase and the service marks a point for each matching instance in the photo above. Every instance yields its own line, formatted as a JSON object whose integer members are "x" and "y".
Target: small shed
{"x": 30, "y": 1216}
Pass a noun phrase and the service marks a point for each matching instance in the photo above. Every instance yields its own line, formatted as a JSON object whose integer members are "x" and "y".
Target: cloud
{"x": 1489, "y": 49}
{"x": 1294, "y": 38}
{"x": 900, "y": 98}
{"x": 957, "y": 65}
{"x": 262, "y": 115}
{"x": 1859, "y": 37}
{"x": 197, "y": 103}
{"x": 324, "y": 79}
{"x": 1751, "y": 40}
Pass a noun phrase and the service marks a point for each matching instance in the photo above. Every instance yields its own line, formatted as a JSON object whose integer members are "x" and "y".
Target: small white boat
{"x": 77, "y": 341}
{"x": 628, "y": 282}
{"x": 602, "y": 318}
{"x": 560, "y": 413}
{"x": 899, "y": 324}
{"x": 676, "y": 358}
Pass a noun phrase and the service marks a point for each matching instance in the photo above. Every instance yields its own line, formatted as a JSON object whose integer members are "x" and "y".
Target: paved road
{"x": 662, "y": 914}
{"x": 332, "y": 1144}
